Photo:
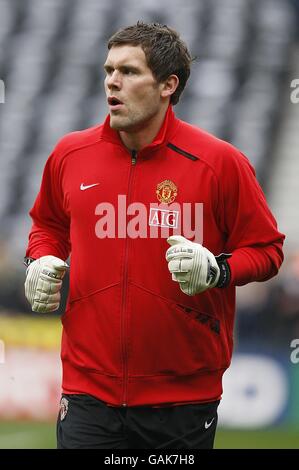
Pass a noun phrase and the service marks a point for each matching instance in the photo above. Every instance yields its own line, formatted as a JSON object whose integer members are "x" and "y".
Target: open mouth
{"x": 114, "y": 102}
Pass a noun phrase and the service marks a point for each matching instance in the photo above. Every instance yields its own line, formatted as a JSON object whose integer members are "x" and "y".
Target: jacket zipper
{"x": 125, "y": 286}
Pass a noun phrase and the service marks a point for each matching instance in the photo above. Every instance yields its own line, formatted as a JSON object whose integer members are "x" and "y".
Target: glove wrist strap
{"x": 225, "y": 273}
{"x": 27, "y": 261}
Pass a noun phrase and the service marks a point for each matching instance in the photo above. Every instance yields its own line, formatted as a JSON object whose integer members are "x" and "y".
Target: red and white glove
{"x": 192, "y": 265}
{"x": 43, "y": 283}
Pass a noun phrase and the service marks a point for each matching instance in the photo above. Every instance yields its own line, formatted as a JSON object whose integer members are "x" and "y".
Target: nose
{"x": 113, "y": 81}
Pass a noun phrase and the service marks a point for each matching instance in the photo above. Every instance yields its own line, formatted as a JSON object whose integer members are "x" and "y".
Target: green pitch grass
{"x": 29, "y": 435}
{"x": 274, "y": 438}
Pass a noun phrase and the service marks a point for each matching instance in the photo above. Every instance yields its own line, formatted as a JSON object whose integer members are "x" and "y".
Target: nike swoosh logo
{"x": 83, "y": 187}
{"x": 207, "y": 425}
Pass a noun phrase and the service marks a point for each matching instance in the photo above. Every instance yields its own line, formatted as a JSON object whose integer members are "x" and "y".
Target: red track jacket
{"x": 130, "y": 336}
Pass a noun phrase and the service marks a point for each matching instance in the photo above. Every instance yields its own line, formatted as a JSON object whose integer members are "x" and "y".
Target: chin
{"x": 119, "y": 124}
{"x": 115, "y": 123}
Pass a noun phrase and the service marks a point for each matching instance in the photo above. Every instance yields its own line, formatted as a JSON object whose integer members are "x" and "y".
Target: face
{"x": 133, "y": 94}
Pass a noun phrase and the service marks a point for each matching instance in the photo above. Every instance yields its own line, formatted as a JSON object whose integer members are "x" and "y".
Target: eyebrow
{"x": 122, "y": 67}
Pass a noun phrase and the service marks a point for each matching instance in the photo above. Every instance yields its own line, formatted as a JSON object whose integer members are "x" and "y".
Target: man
{"x": 146, "y": 340}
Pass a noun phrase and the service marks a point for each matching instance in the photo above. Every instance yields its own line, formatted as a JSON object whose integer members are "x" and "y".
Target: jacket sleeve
{"x": 250, "y": 227}
{"x": 49, "y": 234}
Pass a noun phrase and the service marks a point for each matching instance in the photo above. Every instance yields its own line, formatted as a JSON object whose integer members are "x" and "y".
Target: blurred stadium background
{"x": 51, "y": 56}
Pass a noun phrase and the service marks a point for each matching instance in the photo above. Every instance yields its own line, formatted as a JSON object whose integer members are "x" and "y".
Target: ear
{"x": 169, "y": 86}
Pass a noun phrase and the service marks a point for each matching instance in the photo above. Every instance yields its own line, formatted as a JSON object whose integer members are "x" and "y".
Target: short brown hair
{"x": 165, "y": 52}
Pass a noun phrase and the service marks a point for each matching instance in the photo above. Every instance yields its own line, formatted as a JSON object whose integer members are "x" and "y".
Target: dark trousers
{"x": 85, "y": 422}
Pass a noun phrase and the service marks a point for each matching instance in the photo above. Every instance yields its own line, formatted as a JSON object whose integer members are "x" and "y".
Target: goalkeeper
{"x": 148, "y": 326}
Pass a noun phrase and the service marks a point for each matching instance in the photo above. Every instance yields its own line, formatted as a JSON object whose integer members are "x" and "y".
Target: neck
{"x": 139, "y": 138}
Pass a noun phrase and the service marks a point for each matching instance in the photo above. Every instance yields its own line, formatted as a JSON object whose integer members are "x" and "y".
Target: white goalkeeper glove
{"x": 43, "y": 283}
{"x": 192, "y": 265}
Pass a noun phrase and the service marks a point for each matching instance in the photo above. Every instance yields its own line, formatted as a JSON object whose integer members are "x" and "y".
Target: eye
{"x": 108, "y": 70}
{"x": 128, "y": 71}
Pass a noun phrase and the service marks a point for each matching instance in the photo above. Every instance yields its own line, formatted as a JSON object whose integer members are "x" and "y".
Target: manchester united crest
{"x": 166, "y": 191}
{"x": 64, "y": 406}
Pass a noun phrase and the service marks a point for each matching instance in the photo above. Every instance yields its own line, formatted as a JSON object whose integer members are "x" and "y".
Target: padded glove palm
{"x": 43, "y": 283}
{"x": 192, "y": 265}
